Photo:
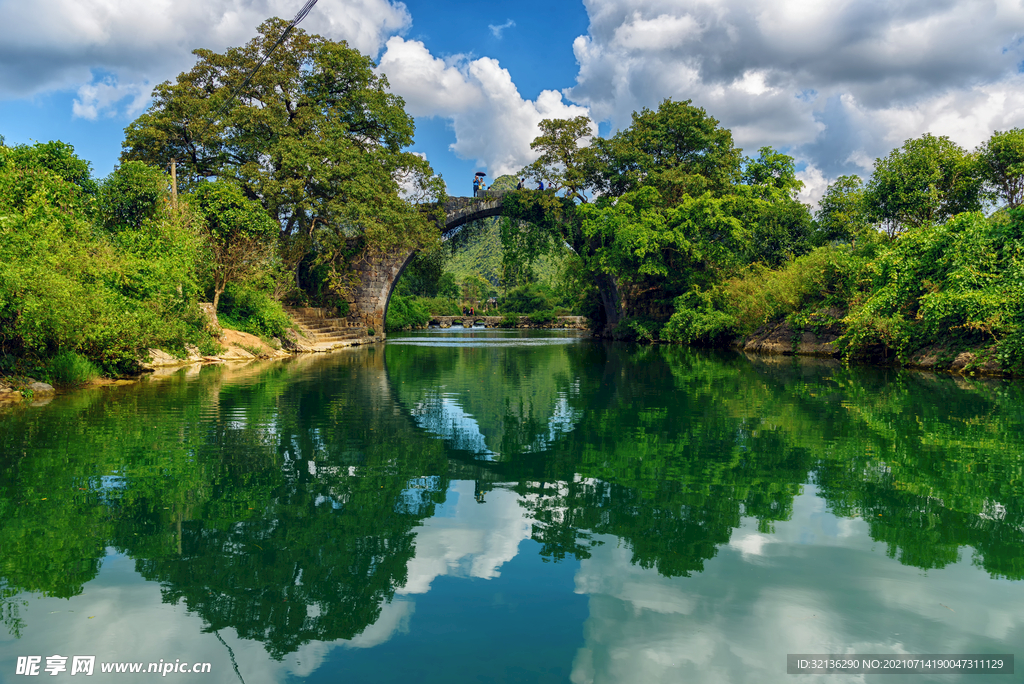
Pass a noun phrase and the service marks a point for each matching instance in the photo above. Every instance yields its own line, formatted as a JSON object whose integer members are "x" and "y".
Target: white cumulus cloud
{"x": 110, "y": 50}
{"x": 493, "y": 123}
{"x": 837, "y": 84}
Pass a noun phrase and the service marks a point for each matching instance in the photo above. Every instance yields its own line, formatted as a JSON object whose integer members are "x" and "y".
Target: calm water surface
{"x": 470, "y": 506}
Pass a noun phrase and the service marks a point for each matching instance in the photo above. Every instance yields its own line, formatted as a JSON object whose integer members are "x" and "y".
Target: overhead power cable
{"x": 284, "y": 34}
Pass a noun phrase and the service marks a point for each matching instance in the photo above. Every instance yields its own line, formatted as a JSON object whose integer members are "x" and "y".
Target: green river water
{"x": 470, "y": 506}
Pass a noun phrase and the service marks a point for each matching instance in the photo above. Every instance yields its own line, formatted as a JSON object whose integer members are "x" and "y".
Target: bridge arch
{"x": 369, "y": 299}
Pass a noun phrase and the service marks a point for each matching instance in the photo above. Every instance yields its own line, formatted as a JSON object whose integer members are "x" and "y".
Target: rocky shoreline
{"x": 774, "y": 339}
{"x": 780, "y": 338}
{"x": 238, "y": 348}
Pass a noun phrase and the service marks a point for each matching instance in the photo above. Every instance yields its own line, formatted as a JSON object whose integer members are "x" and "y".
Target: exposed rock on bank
{"x": 780, "y": 338}
{"x": 16, "y": 388}
{"x": 238, "y": 346}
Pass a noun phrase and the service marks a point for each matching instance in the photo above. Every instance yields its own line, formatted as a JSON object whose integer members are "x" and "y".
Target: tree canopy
{"x": 1002, "y": 159}
{"x": 315, "y": 137}
{"x": 673, "y": 201}
{"x": 927, "y": 180}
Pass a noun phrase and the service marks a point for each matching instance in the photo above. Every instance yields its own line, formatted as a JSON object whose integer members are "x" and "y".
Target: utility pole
{"x": 174, "y": 185}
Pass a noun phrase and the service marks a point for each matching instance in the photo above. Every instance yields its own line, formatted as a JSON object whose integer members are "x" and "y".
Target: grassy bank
{"x": 951, "y": 287}
{"x": 94, "y": 273}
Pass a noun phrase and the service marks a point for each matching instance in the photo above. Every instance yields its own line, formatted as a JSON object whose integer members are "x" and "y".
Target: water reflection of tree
{"x": 272, "y": 504}
{"x": 671, "y": 447}
{"x": 658, "y": 461}
{"x": 283, "y": 503}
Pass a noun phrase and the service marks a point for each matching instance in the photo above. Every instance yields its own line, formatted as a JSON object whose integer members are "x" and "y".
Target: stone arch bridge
{"x": 368, "y": 300}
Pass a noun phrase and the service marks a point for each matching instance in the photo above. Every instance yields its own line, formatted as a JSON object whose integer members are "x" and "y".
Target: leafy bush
{"x": 827, "y": 276}
{"x": 132, "y": 194}
{"x": 509, "y": 321}
{"x": 438, "y": 306}
{"x": 250, "y": 308}
{"x": 963, "y": 280}
{"x": 699, "y": 326}
{"x": 638, "y": 330}
{"x": 405, "y": 313}
{"x": 543, "y": 317}
{"x": 64, "y": 285}
{"x": 68, "y": 369}
{"x": 528, "y": 299}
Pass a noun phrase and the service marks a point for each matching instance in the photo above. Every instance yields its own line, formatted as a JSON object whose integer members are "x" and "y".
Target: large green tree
{"x": 678, "y": 149}
{"x": 566, "y": 162}
{"x": 239, "y": 232}
{"x": 928, "y": 180}
{"x": 841, "y": 215}
{"x": 675, "y": 202}
{"x": 315, "y": 136}
{"x": 1002, "y": 159}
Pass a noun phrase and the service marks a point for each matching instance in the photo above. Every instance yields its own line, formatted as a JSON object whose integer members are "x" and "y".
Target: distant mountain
{"x": 479, "y": 251}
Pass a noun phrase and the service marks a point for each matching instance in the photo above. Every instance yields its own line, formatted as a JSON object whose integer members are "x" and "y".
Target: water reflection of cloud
{"x": 808, "y": 588}
{"x": 474, "y": 540}
{"x": 441, "y": 414}
{"x": 121, "y": 617}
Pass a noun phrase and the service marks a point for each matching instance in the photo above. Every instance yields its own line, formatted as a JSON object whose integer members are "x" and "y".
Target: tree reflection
{"x": 282, "y": 501}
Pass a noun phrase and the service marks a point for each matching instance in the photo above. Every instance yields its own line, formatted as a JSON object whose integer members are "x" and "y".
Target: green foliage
{"x": 239, "y": 232}
{"x": 678, "y": 149}
{"x": 928, "y": 180}
{"x": 447, "y": 288}
{"x": 639, "y": 330}
{"x": 958, "y": 285}
{"x": 527, "y": 299}
{"x": 1002, "y": 163}
{"x": 565, "y": 164}
{"x": 68, "y": 369}
{"x": 772, "y": 175}
{"x": 829, "y": 276}
{"x": 405, "y": 313}
{"x": 133, "y": 194}
{"x": 64, "y": 285}
{"x": 247, "y": 306}
{"x": 672, "y": 249}
{"x": 963, "y": 279}
{"x": 697, "y": 322}
{"x": 672, "y": 212}
{"x": 509, "y": 321}
{"x": 425, "y": 274}
{"x": 58, "y": 158}
{"x": 481, "y": 253}
{"x": 842, "y": 213}
{"x": 228, "y": 213}
{"x": 316, "y": 137}
{"x": 543, "y": 317}
{"x": 438, "y": 306}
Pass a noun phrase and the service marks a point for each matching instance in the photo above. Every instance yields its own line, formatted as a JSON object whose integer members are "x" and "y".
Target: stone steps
{"x": 325, "y": 333}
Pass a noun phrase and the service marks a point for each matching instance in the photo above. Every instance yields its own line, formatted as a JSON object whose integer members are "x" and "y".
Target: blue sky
{"x": 835, "y": 85}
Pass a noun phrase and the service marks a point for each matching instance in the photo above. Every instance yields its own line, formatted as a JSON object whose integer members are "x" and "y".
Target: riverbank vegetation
{"x": 93, "y": 272}
{"x": 679, "y": 238}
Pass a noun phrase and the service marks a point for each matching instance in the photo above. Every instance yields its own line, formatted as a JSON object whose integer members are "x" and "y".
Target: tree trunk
{"x": 217, "y": 290}
{"x": 609, "y": 292}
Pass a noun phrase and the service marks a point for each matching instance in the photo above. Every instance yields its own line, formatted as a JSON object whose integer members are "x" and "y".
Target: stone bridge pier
{"x": 376, "y": 278}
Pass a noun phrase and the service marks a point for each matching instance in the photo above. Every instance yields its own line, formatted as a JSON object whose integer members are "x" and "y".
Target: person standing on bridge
{"x": 476, "y": 185}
